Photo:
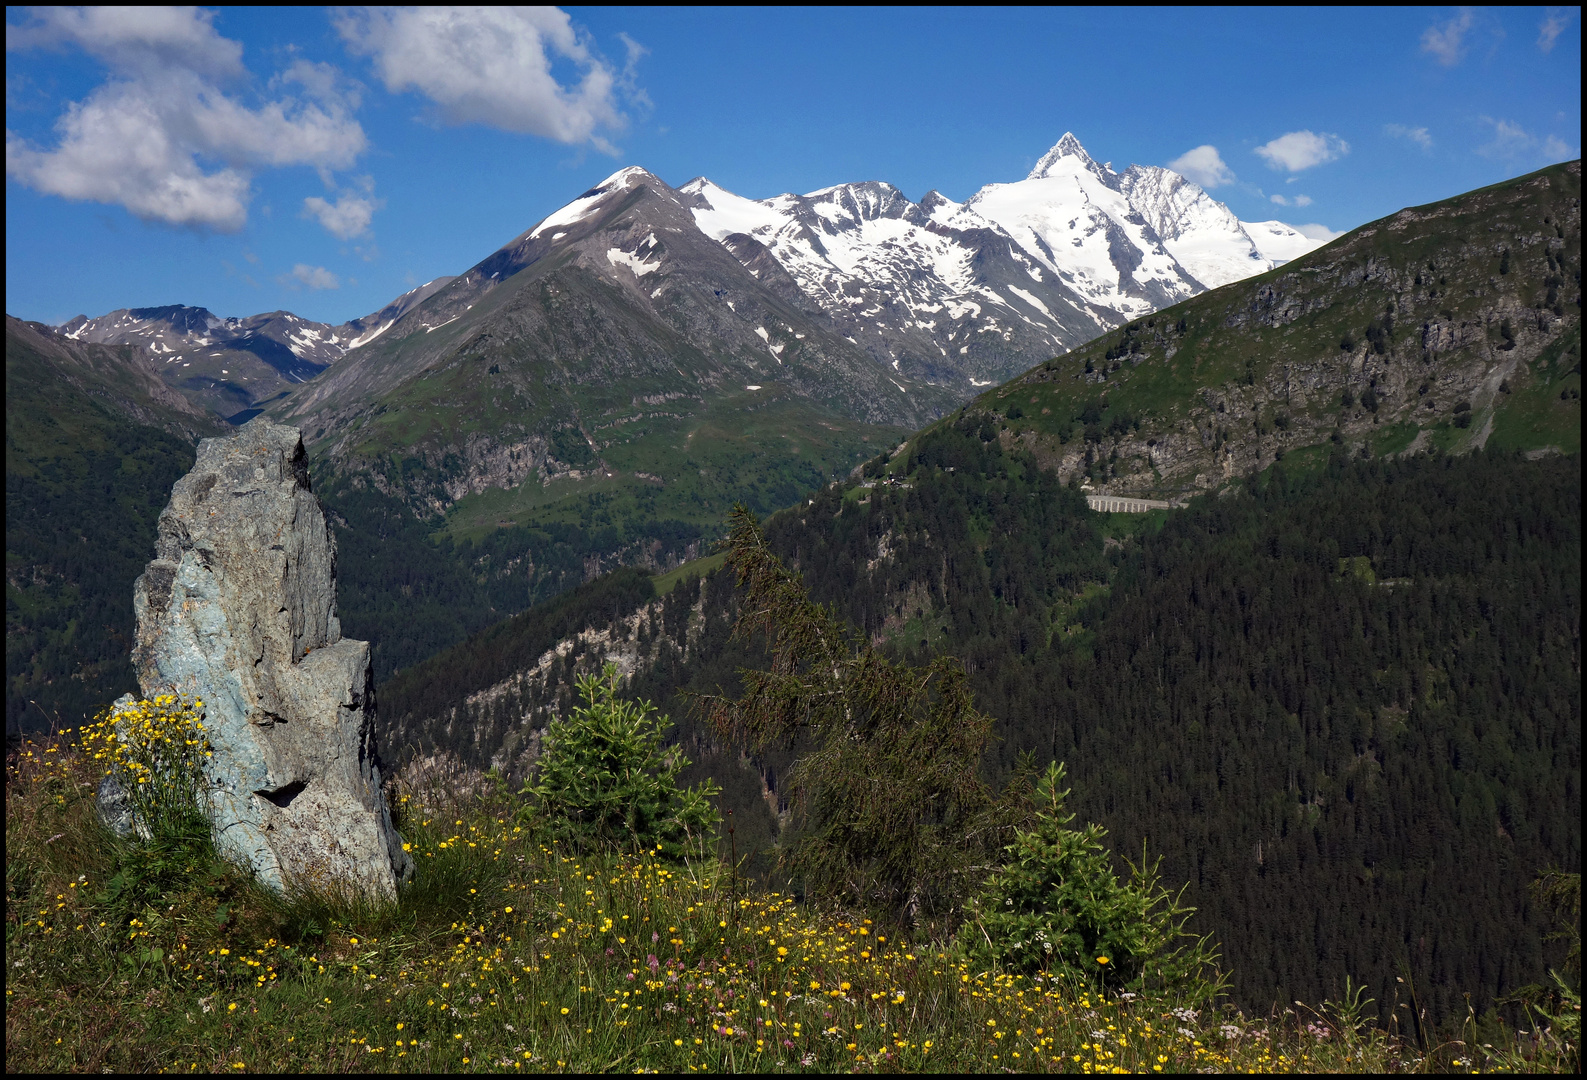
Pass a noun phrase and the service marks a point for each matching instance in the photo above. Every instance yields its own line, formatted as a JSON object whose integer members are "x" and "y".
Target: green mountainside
{"x": 1341, "y": 697}
{"x": 1343, "y": 703}
{"x": 94, "y": 441}
{"x": 1440, "y": 327}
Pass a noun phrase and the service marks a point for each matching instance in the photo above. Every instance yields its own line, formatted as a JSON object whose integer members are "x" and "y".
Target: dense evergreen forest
{"x": 1343, "y": 704}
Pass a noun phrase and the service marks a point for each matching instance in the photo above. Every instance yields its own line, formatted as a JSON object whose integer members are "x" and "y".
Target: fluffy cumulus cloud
{"x": 347, "y": 217}
{"x": 135, "y": 39}
{"x": 1555, "y": 20}
{"x": 493, "y": 66}
{"x": 1283, "y": 200}
{"x": 311, "y": 277}
{"x": 1204, "y": 166}
{"x": 1446, "y": 41}
{"x": 1417, "y": 135}
{"x": 1299, "y": 150}
{"x": 168, "y": 135}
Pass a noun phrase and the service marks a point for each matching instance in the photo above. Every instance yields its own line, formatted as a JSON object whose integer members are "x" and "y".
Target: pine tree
{"x": 1056, "y": 906}
{"x": 605, "y": 780}
{"x": 893, "y": 811}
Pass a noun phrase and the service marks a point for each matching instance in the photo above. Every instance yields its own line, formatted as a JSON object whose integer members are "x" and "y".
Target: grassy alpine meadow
{"x": 506, "y": 953}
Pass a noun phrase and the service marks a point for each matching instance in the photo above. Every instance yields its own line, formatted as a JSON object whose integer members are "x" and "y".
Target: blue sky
{"x": 326, "y": 160}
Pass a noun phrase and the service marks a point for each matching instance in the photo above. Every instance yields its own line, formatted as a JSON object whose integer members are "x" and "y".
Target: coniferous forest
{"x": 1344, "y": 706}
{"x": 1342, "y": 703}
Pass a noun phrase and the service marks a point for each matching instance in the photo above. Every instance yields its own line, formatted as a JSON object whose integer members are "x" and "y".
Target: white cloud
{"x": 492, "y": 66}
{"x": 134, "y": 39}
{"x": 1317, "y": 232}
{"x": 1298, "y": 200}
{"x": 1512, "y": 142}
{"x": 1204, "y": 166}
{"x": 1553, "y": 25}
{"x": 1300, "y": 150}
{"x": 313, "y": 277}
{"x": 115, "y": 148}
{"x": 1417, "y": 135}
{"x": 1509, "y": 139}
{"x": 1446, "y": 41}
{"x": 161, "y": 137}
{"x": 347, "y": 217}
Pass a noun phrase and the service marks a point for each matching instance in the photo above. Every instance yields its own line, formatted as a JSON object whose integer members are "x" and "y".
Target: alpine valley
{"x": 1348, "y": 682}
{"x": 1334, "y": 668}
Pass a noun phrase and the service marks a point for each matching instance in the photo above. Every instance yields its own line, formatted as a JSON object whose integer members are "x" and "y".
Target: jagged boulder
{"x": 238, "y": 609}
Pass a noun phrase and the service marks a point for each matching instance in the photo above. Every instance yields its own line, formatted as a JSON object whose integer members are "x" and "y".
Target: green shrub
{"x": 1057, "y": 907}
{"x": 605, "y": 781}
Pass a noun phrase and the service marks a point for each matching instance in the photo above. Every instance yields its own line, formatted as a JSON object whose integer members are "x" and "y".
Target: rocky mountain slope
{"x": 122, "y": 380}
{"x": 610, "y": 342}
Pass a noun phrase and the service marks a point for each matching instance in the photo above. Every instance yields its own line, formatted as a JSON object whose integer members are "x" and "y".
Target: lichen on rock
{"x": 238, "y": 609}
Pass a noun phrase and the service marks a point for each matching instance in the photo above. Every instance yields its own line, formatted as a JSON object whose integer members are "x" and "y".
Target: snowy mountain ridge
{"x": 1037, "y": 265}
{"x": 232, "y": 364}
{"x": 952, "y": 295}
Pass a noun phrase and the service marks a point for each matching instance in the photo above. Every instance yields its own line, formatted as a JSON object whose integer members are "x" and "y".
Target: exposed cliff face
{"x": 659, "y": 646}
{"x": 238, "y": 609}
{"x": 500, "y": 726}
{"x": 1435, "y": 328}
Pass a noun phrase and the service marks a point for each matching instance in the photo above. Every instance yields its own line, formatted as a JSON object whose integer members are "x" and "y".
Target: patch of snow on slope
{"x": 729, "y": 213}
{"x": 579, "y": 207}
{"x": 619, "y": 257}
{"x": 1031, "y": 300}
{"x": 365, "y": 339}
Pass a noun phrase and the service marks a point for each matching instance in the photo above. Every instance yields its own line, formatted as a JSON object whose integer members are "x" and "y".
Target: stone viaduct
{"x": 1124, "y": 504}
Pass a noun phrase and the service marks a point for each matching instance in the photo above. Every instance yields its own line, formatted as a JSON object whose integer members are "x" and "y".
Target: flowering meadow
{"x": 507, "y": 954}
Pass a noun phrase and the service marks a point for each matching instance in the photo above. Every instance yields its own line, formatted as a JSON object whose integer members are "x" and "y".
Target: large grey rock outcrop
{"x": 238, "y": 609}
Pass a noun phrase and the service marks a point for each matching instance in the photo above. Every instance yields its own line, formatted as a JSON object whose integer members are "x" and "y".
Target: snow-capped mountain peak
{"x": 1071, "y": 215}
{"x": 1021, "y": 268}
{"x": 928, "y": 288}
{"x": 1135, "y": 241}
{"x": 1066, "y": 147}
